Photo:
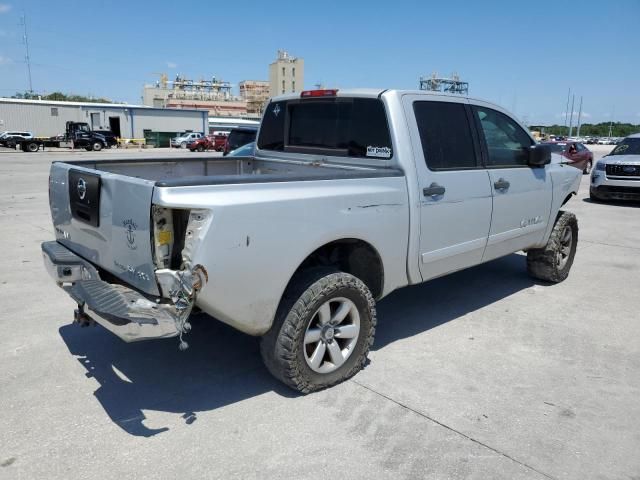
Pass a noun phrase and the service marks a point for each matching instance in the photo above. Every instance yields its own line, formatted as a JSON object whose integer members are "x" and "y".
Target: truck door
{"x": 521, "y": 194}
{"x": 455, "y": 207}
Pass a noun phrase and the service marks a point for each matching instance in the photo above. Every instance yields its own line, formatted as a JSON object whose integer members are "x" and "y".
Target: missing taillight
{"x": 163, "y": 236}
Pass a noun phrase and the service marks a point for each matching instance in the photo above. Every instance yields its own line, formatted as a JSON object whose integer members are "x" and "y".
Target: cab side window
{"x": 507, "y": 143}
{"x": 445, "y": 134}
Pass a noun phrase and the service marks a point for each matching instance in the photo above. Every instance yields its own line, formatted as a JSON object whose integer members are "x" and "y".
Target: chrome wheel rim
{"x": 562, "y": 256}
{"x": 332, "y": 335}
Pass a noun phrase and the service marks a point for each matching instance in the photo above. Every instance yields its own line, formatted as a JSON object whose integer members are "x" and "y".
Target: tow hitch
{"x": 81, "y": 318}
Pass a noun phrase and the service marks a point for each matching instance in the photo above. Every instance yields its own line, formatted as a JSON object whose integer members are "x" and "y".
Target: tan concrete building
{"x": 286, "y": 74}
{"x": 255, "y": 93}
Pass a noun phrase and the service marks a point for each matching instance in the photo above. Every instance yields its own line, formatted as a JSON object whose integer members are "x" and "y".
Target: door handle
{"x": 501, "y": 184}
{"x": 433, "y": 190}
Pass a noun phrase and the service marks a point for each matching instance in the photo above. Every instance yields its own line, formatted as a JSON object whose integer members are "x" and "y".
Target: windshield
{"x": 629, "y": 146}
{"x": 244, "y": 151}
{"x": 237, "y": 138}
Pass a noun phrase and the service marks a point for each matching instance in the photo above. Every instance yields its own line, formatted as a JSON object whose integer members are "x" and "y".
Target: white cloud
{"x": 5, "y": 60}
{"x": 172, "y": 65}
{"x": 4, "y": 7}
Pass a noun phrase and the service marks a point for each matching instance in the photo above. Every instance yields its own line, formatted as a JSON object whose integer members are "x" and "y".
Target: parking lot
{"x": 481, "y": 374}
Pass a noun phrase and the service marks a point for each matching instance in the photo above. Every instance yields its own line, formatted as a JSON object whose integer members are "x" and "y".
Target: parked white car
{"x": 349, "y": 196}
{"x": 16, "y": 134}
{"x": 616, "y": 176}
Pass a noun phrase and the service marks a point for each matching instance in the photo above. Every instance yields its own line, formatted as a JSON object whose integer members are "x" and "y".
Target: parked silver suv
{"x": 617, "y": 175}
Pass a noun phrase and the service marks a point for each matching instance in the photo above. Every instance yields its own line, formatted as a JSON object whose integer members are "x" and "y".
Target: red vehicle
{"x": 576, "y": 153}
{"x": 209, "y": 142}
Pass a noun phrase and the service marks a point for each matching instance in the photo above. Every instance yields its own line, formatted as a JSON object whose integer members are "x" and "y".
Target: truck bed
{"x": 219, "y": 171}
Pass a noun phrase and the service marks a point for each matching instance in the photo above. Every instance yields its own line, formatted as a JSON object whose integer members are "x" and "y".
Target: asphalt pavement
{"x": 483, "y": 374}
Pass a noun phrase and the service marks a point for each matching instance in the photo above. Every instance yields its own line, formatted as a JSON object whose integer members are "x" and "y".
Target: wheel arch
{"x": 568, "y": 198}
{"x": 350, "y": 255}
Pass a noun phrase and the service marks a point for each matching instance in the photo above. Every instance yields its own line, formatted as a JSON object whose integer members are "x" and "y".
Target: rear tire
{"x": 313, "y": 344}
{"x": 200, "y": 148}
{"x": 553, "y": 262}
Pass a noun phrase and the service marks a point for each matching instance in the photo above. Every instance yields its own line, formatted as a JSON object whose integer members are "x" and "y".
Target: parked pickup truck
{"x": 350, "y": 195}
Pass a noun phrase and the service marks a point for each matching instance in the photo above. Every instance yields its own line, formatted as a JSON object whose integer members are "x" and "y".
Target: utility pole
{"x": 613, "y": 111}
{"x": 579, "y": 116}
{"x": 573, "y": 99}
{"x": 25, "y": 39}
{"x": 566, "y": 109}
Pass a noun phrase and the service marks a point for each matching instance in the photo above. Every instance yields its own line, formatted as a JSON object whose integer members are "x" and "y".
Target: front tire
{"x": 200, "y": 148}
{"x": 322, "y": 332}
{"x": 552, "y": 263}
{"x": 96, "y": 146}
{"x": 183, "y": 145}
{"x": 32, "y": 147}
{"x": 587, "y": 168}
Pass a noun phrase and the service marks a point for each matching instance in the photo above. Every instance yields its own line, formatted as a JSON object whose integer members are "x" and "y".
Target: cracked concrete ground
{"x": 482, "y": 374}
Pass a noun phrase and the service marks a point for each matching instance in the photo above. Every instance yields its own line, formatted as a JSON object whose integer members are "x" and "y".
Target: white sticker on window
{"x": 380, "y": 152}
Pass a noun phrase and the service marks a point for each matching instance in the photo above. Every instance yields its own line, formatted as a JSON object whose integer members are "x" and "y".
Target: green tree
{"x": 61, "y": 97}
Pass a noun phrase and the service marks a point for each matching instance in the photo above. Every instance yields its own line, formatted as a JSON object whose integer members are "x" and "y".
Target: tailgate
{"x": 105, "y": 218}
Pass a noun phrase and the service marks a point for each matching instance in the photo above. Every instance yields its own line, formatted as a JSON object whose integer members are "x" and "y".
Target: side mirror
{"x": 539, "y": 155}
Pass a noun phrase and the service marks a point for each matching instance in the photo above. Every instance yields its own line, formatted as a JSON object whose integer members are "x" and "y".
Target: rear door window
{"x": 347, "y": 127}
{"x": 445, "y": 134}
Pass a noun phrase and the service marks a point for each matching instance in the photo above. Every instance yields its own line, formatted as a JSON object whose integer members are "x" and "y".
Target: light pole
{"x": 573, "y": 99}
{"x": 579, "y": 116}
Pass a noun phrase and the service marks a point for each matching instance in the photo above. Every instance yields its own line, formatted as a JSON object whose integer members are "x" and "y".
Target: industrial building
{"x": 47, "y": 118}
{"x": 451, "y": 84}
{"x": 255, "y": 93}
{"x": 213, "y": 95}
{"x": 286, "y": 74}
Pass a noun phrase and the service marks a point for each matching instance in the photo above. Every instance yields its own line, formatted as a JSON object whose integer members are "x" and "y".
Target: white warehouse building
{"x": 46, "y": 118}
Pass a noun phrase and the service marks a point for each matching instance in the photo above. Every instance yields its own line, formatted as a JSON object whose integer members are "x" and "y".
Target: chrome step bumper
{"x": 121, "y": 310}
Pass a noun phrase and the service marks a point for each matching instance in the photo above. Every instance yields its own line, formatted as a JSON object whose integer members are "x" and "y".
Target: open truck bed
{"x": 221, "y": 171}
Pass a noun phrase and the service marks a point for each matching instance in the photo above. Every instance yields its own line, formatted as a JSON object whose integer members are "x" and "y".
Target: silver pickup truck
{"x": 350, "y": 195}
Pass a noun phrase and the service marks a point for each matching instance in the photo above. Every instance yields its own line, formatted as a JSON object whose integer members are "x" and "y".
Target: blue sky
{"x": 522, "y": 55}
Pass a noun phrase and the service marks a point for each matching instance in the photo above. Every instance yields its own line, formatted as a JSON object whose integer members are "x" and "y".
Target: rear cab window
{"x": 336, "y": 126}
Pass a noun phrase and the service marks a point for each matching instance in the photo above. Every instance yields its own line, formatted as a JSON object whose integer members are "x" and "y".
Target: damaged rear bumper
{"x": 118, "y": 308}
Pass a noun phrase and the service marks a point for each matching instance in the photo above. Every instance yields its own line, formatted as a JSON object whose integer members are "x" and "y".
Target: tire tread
{"x": 541, "y": 262}
{"x": 279, "y": 348}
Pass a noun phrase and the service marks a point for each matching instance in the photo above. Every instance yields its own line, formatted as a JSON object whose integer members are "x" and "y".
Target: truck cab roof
{"x": 378, "y": 92}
